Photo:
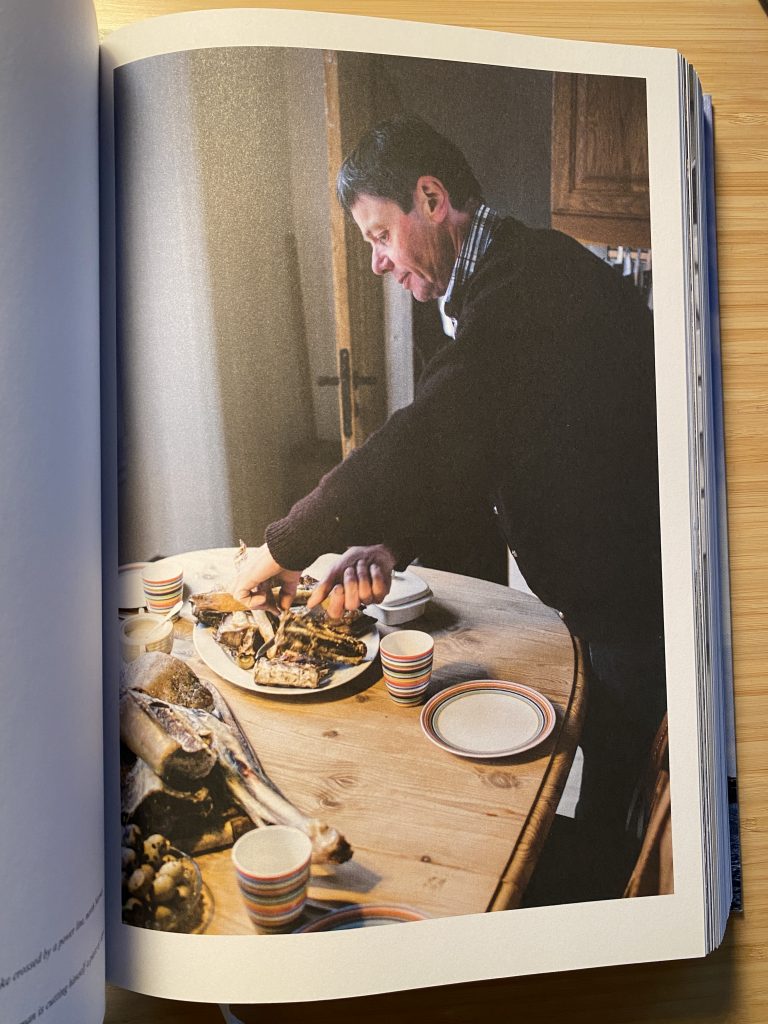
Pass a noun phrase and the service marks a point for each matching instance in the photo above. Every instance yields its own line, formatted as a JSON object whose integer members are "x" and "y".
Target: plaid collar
{"x": 481, "y": 230}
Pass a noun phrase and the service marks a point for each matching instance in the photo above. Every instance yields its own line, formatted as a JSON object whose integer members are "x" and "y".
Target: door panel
{"x": 600, "y": 159}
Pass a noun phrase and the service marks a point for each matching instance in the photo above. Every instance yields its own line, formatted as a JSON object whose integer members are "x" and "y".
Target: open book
{"x": 193, "y": 339}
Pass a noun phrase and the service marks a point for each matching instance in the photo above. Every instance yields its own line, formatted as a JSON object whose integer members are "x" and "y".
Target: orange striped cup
{"x": 406, "y": 664}
{"x": 163, "y": 584}
{"x": 272, "y": 866}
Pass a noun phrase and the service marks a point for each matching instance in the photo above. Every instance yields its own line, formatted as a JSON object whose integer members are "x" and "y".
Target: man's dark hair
{"x": 391, "y": 157}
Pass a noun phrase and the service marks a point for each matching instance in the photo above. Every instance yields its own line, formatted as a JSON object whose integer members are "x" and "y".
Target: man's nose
{"x": 380, "y": 264}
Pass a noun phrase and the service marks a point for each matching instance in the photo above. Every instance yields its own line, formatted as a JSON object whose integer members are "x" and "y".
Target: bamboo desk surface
{"x": 727, "y": 41}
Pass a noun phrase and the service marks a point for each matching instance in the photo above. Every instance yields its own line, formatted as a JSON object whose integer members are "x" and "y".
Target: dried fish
{"x": 242, "y": 633}
{"x": 145, "y": 793}
{"x": 161, "y": 675}
{"x": 257, "y": 794}
{"x": 310, "y": 635}
{"x": 184, "y": 744}
{"x": 211, "y": 607}
{"x": 240, "y": 638}
{"x": 281, "y": 672}
{"x": 161, "y": 736}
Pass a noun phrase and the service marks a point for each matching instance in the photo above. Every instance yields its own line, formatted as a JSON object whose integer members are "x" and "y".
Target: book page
{"x": 225, "y": 294}
{"x": 51, "y": 804}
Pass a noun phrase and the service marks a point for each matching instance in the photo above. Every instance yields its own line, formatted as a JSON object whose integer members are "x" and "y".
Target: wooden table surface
{"x": 727, "y": 41}
{"x": 431, "y": 831}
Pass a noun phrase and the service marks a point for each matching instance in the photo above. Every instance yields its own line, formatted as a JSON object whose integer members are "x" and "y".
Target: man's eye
{"x": 383, "y": 237}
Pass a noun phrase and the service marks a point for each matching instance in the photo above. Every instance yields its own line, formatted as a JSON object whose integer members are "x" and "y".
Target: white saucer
{"x": 488, "y": 718}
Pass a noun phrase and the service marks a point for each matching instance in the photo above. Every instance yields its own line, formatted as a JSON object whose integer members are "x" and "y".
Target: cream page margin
{"x": 305, "y": 967}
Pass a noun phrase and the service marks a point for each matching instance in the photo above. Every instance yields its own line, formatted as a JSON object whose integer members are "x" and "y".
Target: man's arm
{"x": 431, "y": 459}
{"x": 360, "y": 576}
{"x": 256, "y": 577}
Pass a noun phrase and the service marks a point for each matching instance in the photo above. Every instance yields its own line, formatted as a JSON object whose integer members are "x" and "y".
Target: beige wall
{"x": 217, "y": 219}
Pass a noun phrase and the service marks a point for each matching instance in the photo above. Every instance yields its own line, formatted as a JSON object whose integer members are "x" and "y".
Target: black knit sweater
{"x": 545, "y": 408}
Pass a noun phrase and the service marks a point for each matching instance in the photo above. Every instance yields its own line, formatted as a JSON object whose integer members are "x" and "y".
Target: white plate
{"x": 488, "y": 718}
{"x": 347, "y": 918}
{"x": 221, "y": 663}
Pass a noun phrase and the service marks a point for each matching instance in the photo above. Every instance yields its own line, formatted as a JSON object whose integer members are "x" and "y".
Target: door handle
{"x": 348, "y": 381}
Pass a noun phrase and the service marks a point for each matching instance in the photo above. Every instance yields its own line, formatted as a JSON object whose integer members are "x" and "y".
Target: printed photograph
{"x": 391, "y": 619}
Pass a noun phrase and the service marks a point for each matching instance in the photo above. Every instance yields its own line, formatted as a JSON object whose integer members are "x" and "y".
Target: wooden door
{"x": 600, "y": 159}
{"x": 358, "y": 305}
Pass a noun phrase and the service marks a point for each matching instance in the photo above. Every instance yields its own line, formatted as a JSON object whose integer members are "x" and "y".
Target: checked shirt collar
{"x": 481, "y": 229}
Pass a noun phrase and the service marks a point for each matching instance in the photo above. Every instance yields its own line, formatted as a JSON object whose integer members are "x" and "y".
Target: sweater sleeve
{"x": 429, "y": 460}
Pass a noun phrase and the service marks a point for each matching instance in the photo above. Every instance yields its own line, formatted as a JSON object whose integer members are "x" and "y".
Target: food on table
{"x": 265, "y": 805}
{"x": 240, "y": 555}
{"x": 310, "y": 634}
{"x": 306, "y": 586}
{"x": 149, "y": 802}
{"x": 238, "y": 630}
{"x": 167, "y": 678}
{"x": 304, "y": 590}
{"x": 232, "y": 627}
{"x": 354, "y": 622}
{"x": 162, "y": 887}
{"x": 264, "y": 623}
{"x": 305, "y": 675}
{"x": 241, "y": 634}
{"x": 194, "y": 762}
{"x": 161, "y": 735}
{"x": 304, "y": 645}
{"x": 211, "y": 607}
{"x": 306, "y": 648}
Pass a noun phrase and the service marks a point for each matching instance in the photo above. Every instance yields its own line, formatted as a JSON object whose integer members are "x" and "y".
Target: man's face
{"x": 414, "y": 247}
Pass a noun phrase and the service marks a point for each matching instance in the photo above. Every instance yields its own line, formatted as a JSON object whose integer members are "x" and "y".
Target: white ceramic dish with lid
{"x": 407, "y": 600}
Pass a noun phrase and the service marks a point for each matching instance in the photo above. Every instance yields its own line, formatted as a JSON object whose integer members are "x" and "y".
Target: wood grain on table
{"x": 432, "y": 831}
{"x": 727, "y": 41}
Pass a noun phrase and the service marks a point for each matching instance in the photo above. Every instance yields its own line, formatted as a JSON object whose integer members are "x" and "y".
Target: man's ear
{"x": 433, "y": 196}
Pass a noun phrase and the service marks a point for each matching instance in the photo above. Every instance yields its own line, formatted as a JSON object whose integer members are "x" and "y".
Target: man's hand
{"x": 254, "y": 582}
{"x": 360, "y": 576}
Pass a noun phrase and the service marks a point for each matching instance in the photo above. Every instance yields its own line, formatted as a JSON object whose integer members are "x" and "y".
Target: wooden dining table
{"x": 438, "y": 833}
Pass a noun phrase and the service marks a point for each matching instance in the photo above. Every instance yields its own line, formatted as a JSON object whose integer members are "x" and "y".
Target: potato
{"x": 163, "y": 889}
{"x": 173, "y": 869}
{"x": 164, "y": 918}
{"x": 139, "y": 883}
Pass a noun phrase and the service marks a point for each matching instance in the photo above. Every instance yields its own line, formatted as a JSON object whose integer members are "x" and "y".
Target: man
{"x": 543, "y": 406}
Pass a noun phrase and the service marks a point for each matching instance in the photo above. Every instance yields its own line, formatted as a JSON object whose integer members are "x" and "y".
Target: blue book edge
{"x": 720, "y": 563}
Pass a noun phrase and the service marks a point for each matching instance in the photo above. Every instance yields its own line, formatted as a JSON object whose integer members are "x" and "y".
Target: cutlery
{"x": 168, "y": 615}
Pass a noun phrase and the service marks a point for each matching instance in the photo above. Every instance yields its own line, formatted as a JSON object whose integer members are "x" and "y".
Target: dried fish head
{"x": 212, "y": 607}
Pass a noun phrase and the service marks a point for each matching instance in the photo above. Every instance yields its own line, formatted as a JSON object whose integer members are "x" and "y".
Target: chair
{"x": 652, "y": 874}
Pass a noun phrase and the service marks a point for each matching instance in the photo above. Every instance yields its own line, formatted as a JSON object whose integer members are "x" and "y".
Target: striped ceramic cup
{"x": 272, "y": 866}
{"x": 406, "y": 663}
{"x": 163, "y": 584}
